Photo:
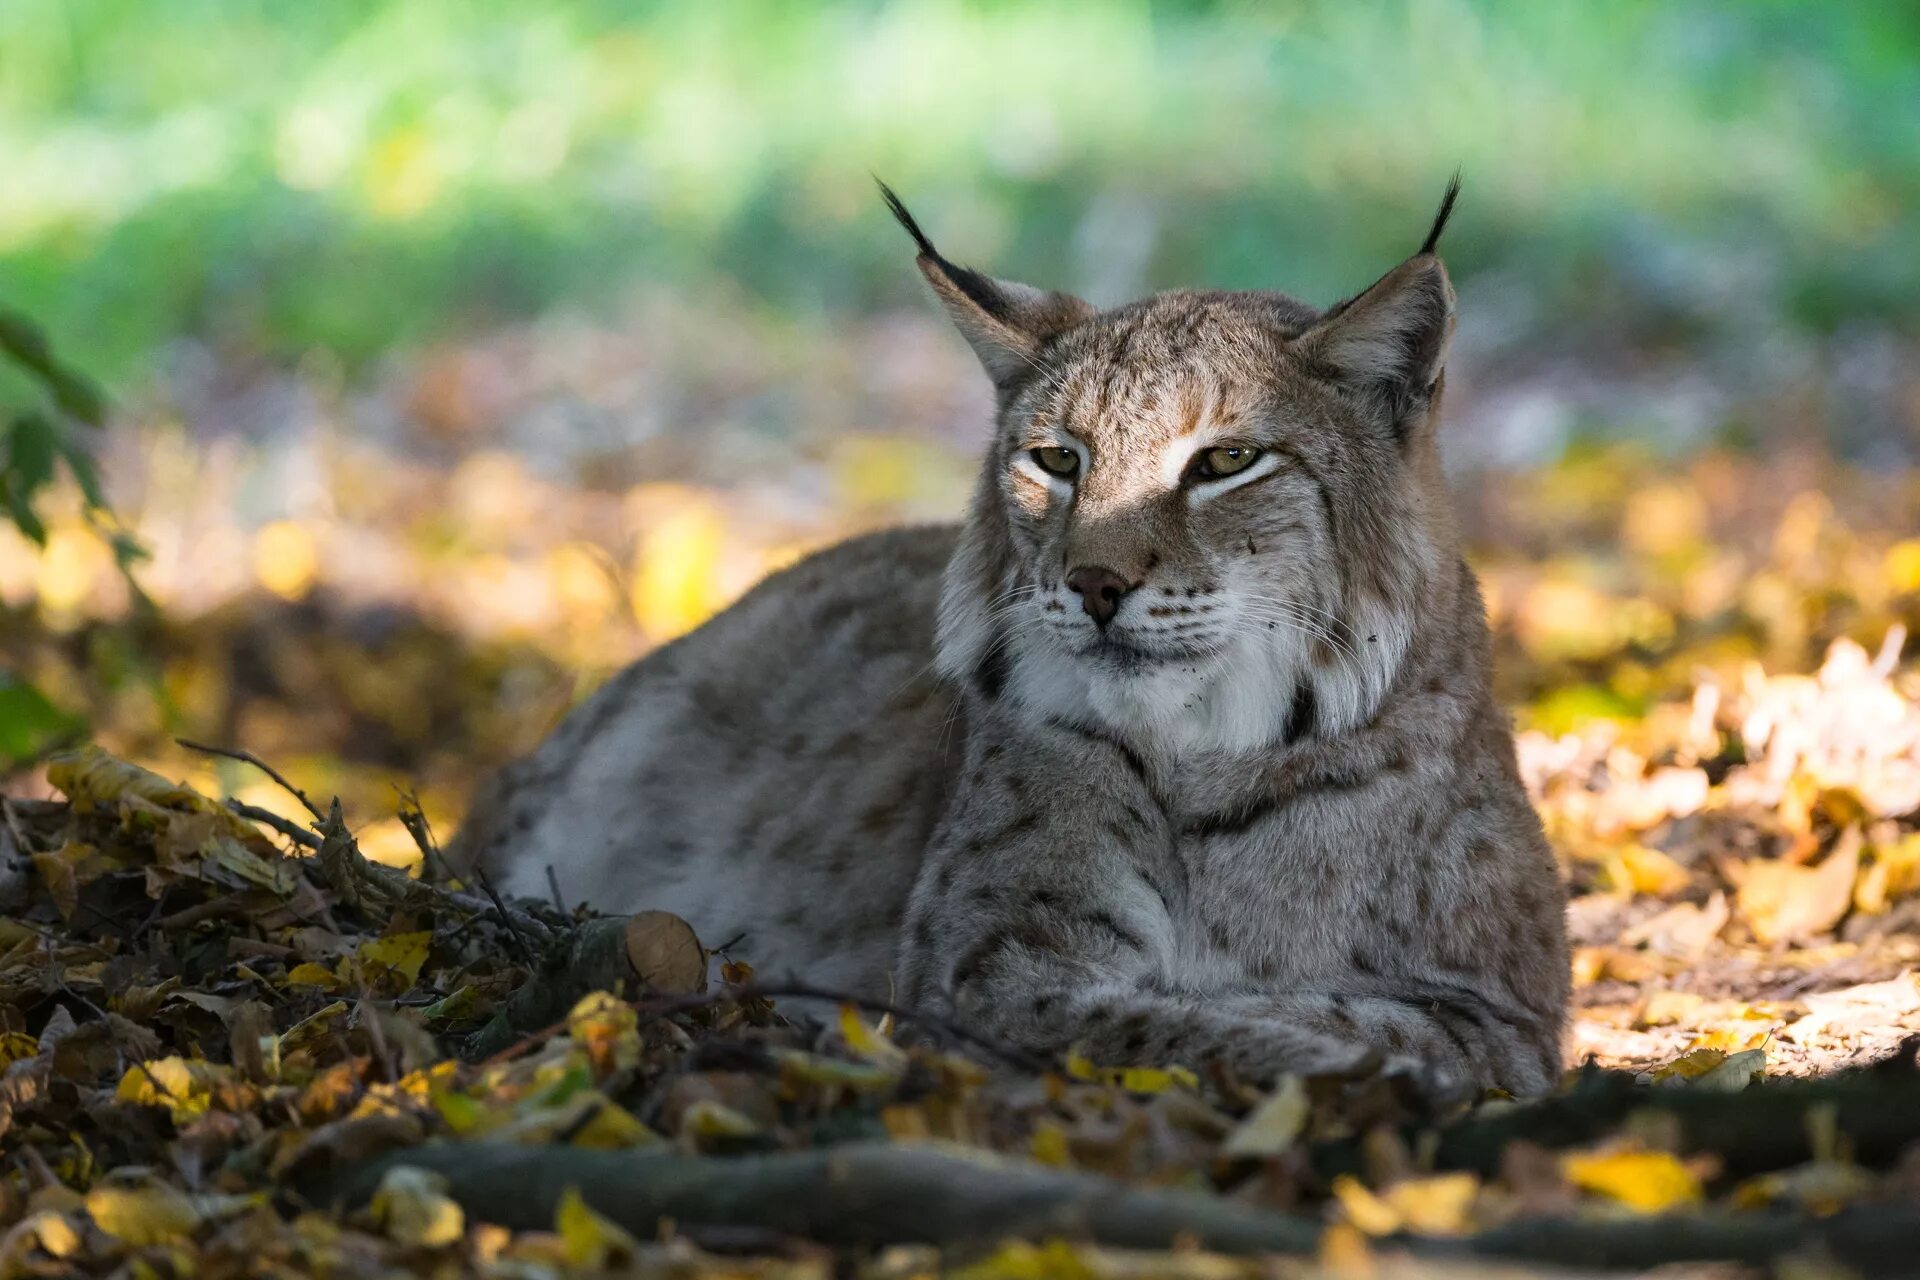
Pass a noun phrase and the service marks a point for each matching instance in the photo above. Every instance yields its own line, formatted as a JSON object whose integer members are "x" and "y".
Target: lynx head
{"x": 1206, "y": 519}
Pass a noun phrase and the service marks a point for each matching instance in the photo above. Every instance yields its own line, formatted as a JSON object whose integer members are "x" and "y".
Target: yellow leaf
{"x": 1049, "y": 1145}
{"x": 1638, "y": 869}
{"x": 1648, "y": 1181}
{"x": 1273, "y": 1126}
{"x": 676, "y": 570}
{"x": 705, "y": 1118}
{"x": 285, "y": 559}
{"x": 91, "y": 778}
{"x": 17, "y": 1046}
{"x": 1436, "y": 1206}
{"x": 800, "y": 1067}
{"x": 1365, "y": 1210}
{"x": 1132, "y": 1079}
{"x": 1903, "y": 565}
{"x": 613, "y": 1128}
{"x": 592, "y": 1242}
{"x": 867, "y": 1042}
{"x": 394, "y": 962}
{"x": 311, "y": 1029}
{"x": 413, "y": 1208}
{"x": 1783, "y": 903}
{"x": 1018, "y": 1260}
{"x": 183, "y": 1086}
{"x": 314, "y": 975}
{"x": 143, "y": 1216}
{"x": 48, "y": 1229}
{"x": 1690, "y": 1065}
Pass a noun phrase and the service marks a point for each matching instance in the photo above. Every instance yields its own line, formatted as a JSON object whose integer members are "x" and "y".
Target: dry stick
{"x": 519, "y": 943}
{"x": 267, "y": 817}
{"x": 414, "y": 819}
{"x": 860, "y": 1194}
{"x": 553, "y": 887}
{"x": 247, "y": 757}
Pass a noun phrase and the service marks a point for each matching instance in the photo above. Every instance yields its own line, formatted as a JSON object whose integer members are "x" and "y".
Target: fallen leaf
{"x": 412, "y": 1207}
{"x": 1646, "y": 1181}
{"x": 592, "y": 1242}
{"x": 142, "y": 1216}
{"x": 665, "y": 953}
{"x": 1783, "y": 903}
{"x": 1273, "y": 1126}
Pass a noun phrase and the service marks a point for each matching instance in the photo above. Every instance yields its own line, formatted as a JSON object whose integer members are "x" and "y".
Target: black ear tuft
{"x": 979, "y": 287}
{"x": 1433, "y": 236}
{"x": 905, "y": 219}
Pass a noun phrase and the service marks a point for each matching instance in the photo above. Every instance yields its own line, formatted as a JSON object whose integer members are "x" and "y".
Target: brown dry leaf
{"x": 1683, "y": 931}
{"x": 1783, "y": 903}
{"x": 1868, "y": 1005}
{"x": 665, "y": 952}
{"x": 62, "y": 882}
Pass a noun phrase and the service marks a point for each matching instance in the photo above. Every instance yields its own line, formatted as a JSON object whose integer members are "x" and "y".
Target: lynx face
{"x": 1205, "y": 519}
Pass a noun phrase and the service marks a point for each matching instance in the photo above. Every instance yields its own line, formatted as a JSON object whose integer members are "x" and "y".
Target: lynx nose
{"x": 1100, "y": 591}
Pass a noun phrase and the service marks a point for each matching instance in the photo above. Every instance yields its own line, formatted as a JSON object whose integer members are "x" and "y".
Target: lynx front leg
{"x": 1048, "y": 914}
{"x": 1045, "y": 915}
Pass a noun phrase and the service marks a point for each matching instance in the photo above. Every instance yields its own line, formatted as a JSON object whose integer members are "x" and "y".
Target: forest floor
{"x": 232, "y": 1044}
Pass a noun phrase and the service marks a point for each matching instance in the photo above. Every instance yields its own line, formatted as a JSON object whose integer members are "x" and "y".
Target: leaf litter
{"x": 231, "y": 1050}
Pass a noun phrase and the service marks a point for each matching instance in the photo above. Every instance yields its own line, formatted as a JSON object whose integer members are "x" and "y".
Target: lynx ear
{"x": 1006, "y": 323}
{"x": 1389, "y": 344}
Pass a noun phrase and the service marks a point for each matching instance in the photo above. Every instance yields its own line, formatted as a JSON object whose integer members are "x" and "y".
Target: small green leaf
{"x": 29, "y": 724}
{"x": 21, "y": 339}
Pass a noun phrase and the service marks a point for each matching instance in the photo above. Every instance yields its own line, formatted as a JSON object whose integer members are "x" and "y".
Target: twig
{"x": 860, "y": 1194}
{"x": 247, "y": 757}
{"x": 414, "y": 819}
{"x": 513, "y": 929}
{"x": 553, "y": 887}
{"x": 268, "y": 818}
{"x": 14, "y": 828}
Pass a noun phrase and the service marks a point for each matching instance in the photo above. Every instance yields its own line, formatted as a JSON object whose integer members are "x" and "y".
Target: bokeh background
{"x": 458, "y": 353}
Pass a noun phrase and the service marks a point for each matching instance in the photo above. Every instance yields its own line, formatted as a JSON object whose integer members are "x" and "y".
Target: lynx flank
{"x": 1179, "y": 749}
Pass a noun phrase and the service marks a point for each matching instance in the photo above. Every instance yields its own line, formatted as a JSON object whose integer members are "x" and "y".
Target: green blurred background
{"x": 512, "y": 337}
{"x": 352, "y": 178}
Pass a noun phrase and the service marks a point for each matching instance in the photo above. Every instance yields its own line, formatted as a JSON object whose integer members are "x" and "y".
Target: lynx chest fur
{"x": 1180, "y": 748}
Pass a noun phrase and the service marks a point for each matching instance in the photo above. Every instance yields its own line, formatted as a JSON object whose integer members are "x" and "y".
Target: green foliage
{"x": 30, "y": 725}
{"x": 61, "y": 413}
{"x": 52, "y": 420}
{"x": 353, "y": 176}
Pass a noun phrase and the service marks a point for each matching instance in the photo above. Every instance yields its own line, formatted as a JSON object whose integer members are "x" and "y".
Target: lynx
{"x": 1180, "y": 748}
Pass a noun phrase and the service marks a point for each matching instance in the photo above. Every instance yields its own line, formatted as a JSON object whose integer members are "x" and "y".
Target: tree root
{"x": 860, "y": 1195}
{"x": 1767, "y": 1126}
{"x": 868, "y": 1195}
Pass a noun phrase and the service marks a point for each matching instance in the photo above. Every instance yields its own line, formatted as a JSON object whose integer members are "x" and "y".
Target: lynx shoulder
{"x": 1181, "y": 747}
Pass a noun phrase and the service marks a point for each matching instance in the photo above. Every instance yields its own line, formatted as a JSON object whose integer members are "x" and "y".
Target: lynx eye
{"x": 1056, "y": 461}
{"x": 1226, "y": 460}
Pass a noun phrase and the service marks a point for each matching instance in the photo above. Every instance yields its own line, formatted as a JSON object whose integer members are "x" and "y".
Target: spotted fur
{"x": 1267, "y": 814}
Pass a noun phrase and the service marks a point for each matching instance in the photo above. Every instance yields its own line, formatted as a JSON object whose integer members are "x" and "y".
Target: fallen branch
{"x": 1868, "y": 1240}
{"x": 860, "y": 1194}
{"x": 1759, "y": 1129}
{"x": 867, "y": 1195}
{"x": 247, "y": 757}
